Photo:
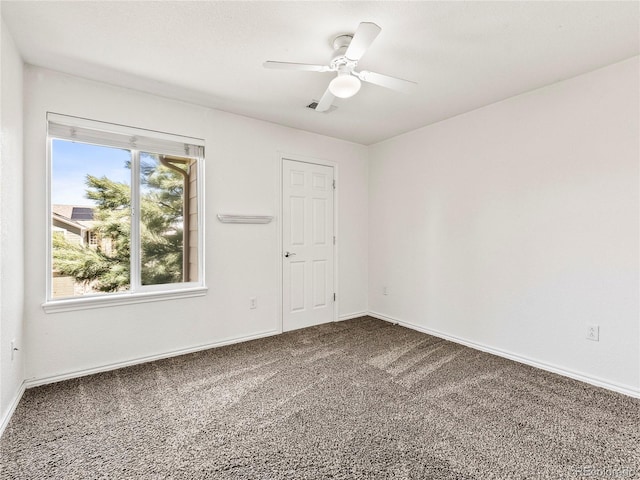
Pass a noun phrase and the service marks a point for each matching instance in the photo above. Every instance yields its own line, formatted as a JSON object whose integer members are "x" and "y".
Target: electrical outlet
{"x": 385, "y": 290}
{"x": 593, "y": 332}
{"x": 253, "y": 303}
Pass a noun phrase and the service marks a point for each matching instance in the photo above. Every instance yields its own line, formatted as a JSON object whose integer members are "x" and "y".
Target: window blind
{"x": 119, "y": 136}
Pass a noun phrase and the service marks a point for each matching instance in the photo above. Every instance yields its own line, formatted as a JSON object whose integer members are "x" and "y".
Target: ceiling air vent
{"x": 314, "y": 104}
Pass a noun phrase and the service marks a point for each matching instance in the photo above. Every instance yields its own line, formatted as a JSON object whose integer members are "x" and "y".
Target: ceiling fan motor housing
{"x": 342, "y": 41}
{"x": 340, "y": 62}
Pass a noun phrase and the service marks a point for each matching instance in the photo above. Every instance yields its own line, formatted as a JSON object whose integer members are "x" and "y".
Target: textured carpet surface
{"x": 356, "y": 399}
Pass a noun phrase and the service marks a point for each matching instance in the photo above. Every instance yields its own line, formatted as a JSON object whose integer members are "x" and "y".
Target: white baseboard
{"x": 34, "y": 382}
{"x": 349, "y": 316}
{"x": 598, "y": 382}
{"x": 12, "y": 408}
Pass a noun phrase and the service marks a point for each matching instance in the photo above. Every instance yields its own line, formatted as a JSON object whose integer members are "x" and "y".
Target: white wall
{"x": 514, "y": 226}
{"x": 11, "y": 232}
{"x": 242, "y": 261}
{"x": 511, "y": 227}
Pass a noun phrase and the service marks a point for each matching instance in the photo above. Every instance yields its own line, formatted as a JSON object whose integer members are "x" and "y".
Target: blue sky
{"x": 71, "y": 162}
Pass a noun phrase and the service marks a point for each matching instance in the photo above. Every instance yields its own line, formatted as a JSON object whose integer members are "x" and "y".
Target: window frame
{"x": 137, "y": 293}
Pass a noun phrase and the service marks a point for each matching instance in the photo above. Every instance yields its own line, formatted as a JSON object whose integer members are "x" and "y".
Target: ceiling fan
{"x": 348, "y": 50}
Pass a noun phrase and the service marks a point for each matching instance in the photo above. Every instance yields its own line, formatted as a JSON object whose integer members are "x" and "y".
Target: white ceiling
{"x": 462, "y": 54}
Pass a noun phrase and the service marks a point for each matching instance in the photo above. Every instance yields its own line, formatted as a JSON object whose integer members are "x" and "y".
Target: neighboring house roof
{"x": 71, "y": 223}
{"x": 80, "y": 216}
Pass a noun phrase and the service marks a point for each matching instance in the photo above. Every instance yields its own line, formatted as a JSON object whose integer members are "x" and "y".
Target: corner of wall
{"x": 517, "y": 238}
{"x": 11, "y": 229}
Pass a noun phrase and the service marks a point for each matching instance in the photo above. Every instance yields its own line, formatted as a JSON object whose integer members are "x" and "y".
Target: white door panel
{"x": 307, "y": 236}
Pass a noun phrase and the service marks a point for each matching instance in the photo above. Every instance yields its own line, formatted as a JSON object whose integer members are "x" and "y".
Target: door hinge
{"x": 334, "y": 184}
{"x": 334, "y": 239}
{"x": 334, "y": 297}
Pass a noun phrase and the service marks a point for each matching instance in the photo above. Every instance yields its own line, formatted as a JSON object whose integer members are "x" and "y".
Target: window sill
{"x": 113, "y": 300}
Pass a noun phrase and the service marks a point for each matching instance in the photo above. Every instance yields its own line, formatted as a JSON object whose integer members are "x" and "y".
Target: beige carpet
{"x": 350, "y": 400}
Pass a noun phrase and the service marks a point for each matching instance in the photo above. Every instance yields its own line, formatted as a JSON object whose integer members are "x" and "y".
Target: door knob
{"x": 288, "y": 254}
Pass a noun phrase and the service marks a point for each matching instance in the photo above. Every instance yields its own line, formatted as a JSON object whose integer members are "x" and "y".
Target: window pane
{"x": 91, "y": 224}
{"x": 166, "y": 251}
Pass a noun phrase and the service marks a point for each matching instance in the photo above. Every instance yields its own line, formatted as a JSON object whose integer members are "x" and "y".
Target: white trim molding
{"x": 115, "y": 299}
{"x": 349, "y": 316}
{"x": 35, "y": 382}
{"x": 598, "y": 382}
{"x": 595, "y": 381}
{"x": 4, "y": 421}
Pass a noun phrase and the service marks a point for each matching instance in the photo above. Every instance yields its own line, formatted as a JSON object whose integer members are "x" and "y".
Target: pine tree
{"x": 161, "y": 232}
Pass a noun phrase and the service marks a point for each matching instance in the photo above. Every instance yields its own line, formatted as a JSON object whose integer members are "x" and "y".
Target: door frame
{"x": 279, "y": 207}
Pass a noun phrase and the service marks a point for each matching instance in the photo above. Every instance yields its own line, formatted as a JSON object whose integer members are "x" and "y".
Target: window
{"x": 93, "y": 239}
{"x": 126, "y": 215}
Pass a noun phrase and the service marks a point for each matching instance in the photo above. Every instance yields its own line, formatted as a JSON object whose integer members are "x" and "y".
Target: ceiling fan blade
{"x": 362, "y": 39}
{"x": 325, "y": 102}
{"x": 386, "y": 81}
{"x": 296, "y": 66}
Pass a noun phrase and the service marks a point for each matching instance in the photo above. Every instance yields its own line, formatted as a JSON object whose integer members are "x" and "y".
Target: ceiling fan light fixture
{"x": 345, "y": 85}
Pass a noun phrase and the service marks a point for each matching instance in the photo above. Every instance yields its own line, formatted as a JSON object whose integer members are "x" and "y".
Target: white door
{"x": 307, "y": 244}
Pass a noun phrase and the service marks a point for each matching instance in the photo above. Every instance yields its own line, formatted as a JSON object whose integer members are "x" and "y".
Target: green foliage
{"x": 161, "y": 232}
{"x": 88, "y": 266}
